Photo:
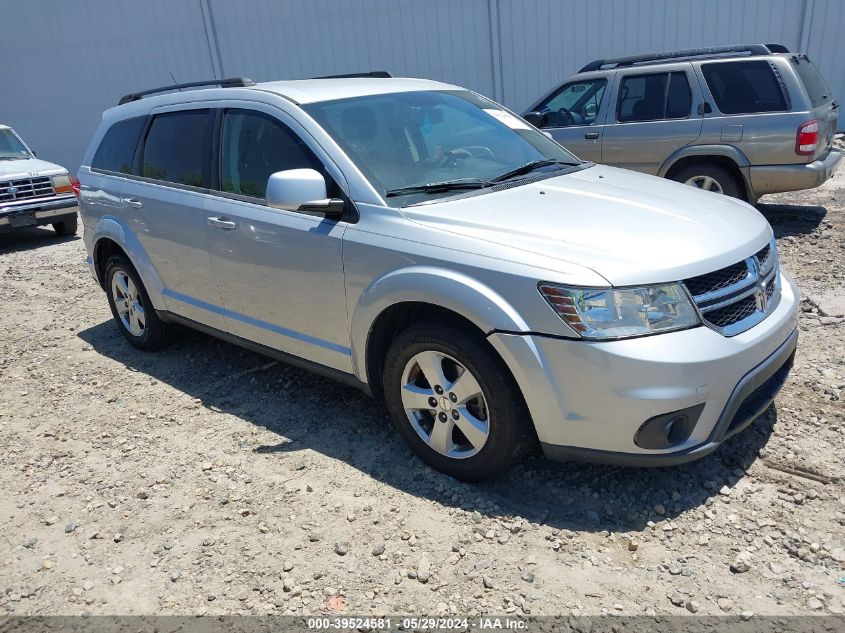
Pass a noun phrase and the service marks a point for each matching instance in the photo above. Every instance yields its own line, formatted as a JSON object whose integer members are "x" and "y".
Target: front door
{"x": 280, "y": 273}
{"x": 574, "y": 115}
{"x": 652, "y": 115}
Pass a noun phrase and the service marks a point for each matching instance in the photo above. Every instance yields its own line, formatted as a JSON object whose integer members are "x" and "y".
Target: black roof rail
{"x": 231, "y": 82}
{"x": 616, "y": 62}
{"x": 777, "y": 48}
{"x": 376, "y": 74}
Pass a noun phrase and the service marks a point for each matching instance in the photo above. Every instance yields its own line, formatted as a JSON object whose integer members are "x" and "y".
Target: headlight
{"x": 611, "y": 313}
{"x": 62, "y": 184}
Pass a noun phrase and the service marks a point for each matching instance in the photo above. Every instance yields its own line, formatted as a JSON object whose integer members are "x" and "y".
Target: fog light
{"x": 668, "y": 429}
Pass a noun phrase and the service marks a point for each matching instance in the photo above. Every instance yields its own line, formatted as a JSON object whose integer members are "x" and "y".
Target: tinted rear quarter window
{"x": 744, "y": 87}
{"x": 815, "y": 85}
{"x": 117, "y": 149}
{"x": 178, "y": 148}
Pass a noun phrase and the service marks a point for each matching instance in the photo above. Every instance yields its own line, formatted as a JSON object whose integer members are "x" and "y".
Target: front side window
{"x": 575, "y": 104}
{"x": 11, "y": 147}
{"x": 178, "y": 148}
{"x": 413, "y": 139}
{"x": 654, "y": 97}
{"x": 253, "y": 147}
{"x": 744, "y": 87}
{"x": 117, "y": 149}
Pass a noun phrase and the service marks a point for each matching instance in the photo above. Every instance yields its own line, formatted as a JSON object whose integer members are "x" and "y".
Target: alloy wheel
{"x": 707, "y": 183}
{"x": 127, "y": 300}
{"x": 445, "y": 404}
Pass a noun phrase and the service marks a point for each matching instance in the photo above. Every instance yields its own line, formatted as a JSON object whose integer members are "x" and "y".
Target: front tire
{"x": 131, "y": 307}
{"x": 66, "y": 227}
{"x": 710, "y": 177}
{"x": 454, "y": 402}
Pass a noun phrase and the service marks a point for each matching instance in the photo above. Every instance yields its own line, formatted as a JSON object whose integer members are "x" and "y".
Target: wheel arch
{"x": 111, "y": 237}
{"x": 726, "y": 156}
{"x": 416, "y": 293}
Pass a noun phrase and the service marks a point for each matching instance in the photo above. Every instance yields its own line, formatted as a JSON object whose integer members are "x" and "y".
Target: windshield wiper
{"x": 439, "y": 187}
{"x": 529, "y": 167}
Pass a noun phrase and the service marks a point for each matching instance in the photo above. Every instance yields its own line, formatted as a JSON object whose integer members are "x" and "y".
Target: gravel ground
{"x": 206, "y": 479}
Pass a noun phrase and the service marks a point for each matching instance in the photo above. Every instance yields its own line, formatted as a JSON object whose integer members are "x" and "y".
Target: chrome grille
{"x": 26, "y": 188}
{"x": 737, "y": 297}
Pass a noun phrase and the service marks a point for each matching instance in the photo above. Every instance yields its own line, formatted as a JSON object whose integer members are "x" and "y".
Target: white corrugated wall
{"x": 63, "y": 63}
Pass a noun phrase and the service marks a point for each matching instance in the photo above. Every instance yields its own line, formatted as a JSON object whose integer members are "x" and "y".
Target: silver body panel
{"x": 313, "y": 288}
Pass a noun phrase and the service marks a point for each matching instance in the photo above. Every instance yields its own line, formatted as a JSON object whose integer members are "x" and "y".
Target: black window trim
{"x": 668, "y": 73}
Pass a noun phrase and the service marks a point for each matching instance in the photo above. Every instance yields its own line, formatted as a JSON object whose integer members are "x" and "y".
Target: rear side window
{"x": 654, "y": 97}
{"x": 178, "y": 148}
{"x": 744, "y": 87}
{"x": 117, "y": 149}
{"x": 815, "y": 85}
{"x": 254, "y": 146}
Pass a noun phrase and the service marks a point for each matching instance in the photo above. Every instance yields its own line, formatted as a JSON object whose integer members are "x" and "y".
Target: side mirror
{"x": 302, "y": 190}
{"x": 537, "y": 119}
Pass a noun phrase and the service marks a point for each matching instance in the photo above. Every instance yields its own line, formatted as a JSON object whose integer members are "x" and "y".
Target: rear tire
{"x": 473, "y": 392}
{"x": 133, "y": 312}
{"x": 66, "y": 227}
{"x": 710, "y": 177}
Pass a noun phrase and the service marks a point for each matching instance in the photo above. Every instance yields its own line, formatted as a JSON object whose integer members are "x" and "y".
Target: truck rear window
{"x": 814, "y": 83}
{"x": 744, "y": 87}
{"x": 117, "y": 149}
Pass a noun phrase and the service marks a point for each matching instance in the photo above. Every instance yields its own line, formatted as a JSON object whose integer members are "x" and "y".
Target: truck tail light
{"x": 807, "y": 138}
{"x": 74, "y": 183}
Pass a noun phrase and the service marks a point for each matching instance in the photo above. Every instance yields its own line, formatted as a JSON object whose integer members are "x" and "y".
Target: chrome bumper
{"x": 46, "y": 210}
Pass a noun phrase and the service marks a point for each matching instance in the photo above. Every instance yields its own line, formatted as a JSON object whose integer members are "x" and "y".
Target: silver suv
{"x": 740, "y": 120}
{"x": 33, "y": 192}
{"x": 421, "y": 242}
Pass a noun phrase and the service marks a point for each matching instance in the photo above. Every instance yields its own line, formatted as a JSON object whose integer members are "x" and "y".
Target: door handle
{"x": 591, "y": 135}
{"x": 133, "y": 202}
{"x": 220, "y": 223}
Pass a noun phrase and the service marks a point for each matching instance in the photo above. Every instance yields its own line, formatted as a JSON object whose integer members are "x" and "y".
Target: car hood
{"x": 628, "y": 227}
{"x": 28, "y": 167}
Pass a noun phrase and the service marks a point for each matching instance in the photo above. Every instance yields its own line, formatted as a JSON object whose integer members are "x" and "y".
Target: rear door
{"x": 653, "y": 113}
{"x": 574, "y": 116}
{"x": 166, "y": 203}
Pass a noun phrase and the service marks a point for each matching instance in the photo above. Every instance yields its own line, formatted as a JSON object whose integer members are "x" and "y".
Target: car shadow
{"x": 792, "y": 219}
{"x": 312, "y": 412}
{"x": 29, "y": 238}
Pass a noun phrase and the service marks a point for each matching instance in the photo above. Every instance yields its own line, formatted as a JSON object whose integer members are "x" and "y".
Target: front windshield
{"x": 414, "y": 139}
{"x": 11, "y": 146}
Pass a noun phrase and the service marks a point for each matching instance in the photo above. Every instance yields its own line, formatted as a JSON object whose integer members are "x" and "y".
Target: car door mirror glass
{"x": 301, "y": 190}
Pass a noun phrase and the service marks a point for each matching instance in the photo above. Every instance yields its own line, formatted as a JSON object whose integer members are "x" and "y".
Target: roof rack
{"x": 376, "y": 74}
{"x": 231, "y": 82}
{"x": 716, "y": 51}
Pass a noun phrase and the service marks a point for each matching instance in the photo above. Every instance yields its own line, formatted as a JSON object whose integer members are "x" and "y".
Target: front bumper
{"x": 777, "y": 178}
{"x": 589, "y": 399}
{"x": 45, "y": 211}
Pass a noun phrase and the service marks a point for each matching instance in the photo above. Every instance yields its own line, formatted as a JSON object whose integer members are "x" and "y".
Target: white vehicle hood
{"x": 628, "y": 227}
{"x": 28, "y": 167}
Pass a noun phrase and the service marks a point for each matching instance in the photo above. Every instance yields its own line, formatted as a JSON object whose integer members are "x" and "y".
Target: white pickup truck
{"x": 34, "y": 192}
